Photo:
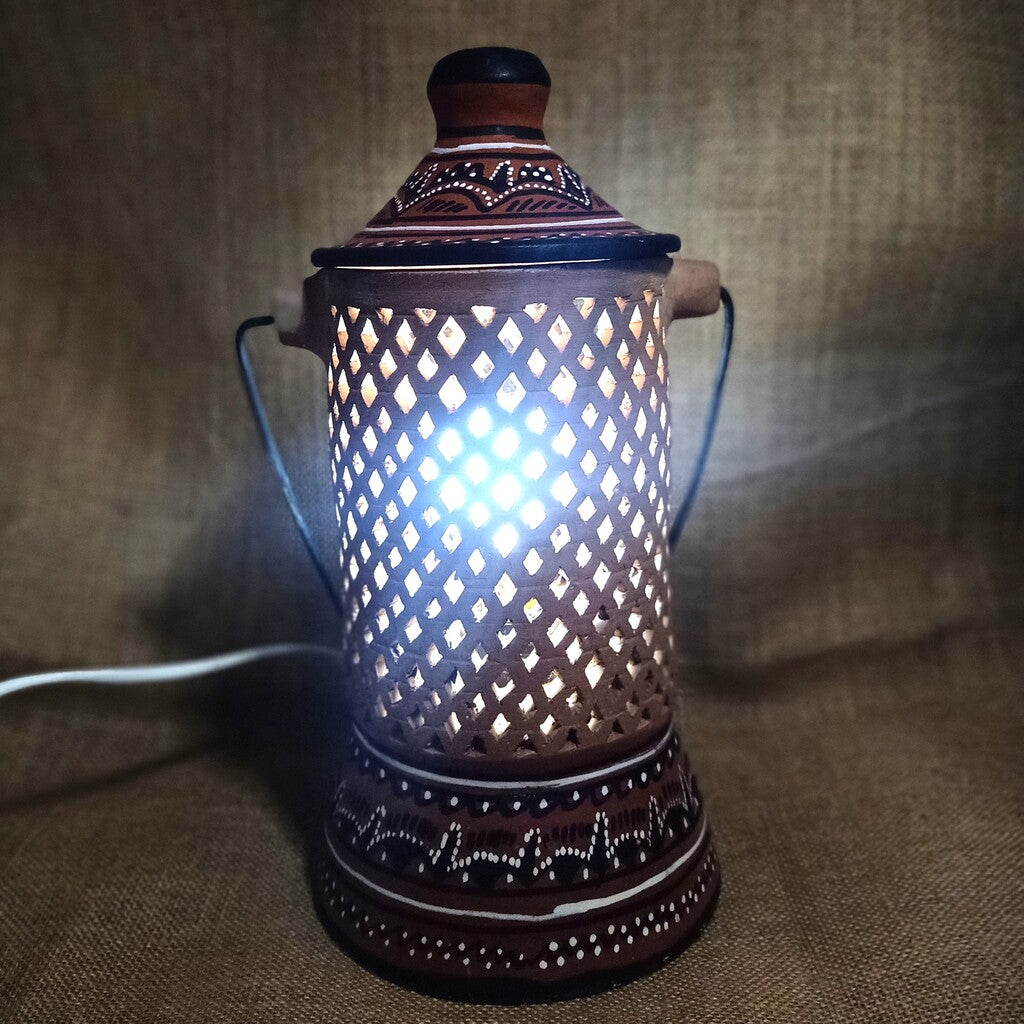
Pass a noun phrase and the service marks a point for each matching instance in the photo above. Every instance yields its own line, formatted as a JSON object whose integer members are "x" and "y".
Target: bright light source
{"x": 506, "y": 443}
{"x": 535, "y": 465}
{"x": 449, "y": 444}
{"x": 479, "y": 422}
{"x": 506, "y": 491}
{"x": 533, "y": 514}
{"x": 453, "y": 494}
{"x": 478, "y": 513}
{"x": 537, "y": 421}
{"x": 477, "y": 469}
{"x": 505, "y": 539}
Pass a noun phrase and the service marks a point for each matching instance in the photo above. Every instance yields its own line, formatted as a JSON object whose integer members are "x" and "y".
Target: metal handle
{"x": 714, "y": 406}
{"x": 274, "y": 453}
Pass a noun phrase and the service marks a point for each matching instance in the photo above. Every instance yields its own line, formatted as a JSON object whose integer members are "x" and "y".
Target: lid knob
{"x": 489, "y": 90}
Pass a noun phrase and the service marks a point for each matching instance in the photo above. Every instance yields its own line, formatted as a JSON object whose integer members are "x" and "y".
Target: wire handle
{"x": 714, "y": 406}
{"x": 259, "y": 413}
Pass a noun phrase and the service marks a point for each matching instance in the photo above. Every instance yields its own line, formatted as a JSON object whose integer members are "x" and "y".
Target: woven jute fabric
{"x": 847, "y": 597}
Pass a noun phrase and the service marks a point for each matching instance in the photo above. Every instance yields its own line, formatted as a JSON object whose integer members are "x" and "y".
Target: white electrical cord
{"x": 168, "y": 671}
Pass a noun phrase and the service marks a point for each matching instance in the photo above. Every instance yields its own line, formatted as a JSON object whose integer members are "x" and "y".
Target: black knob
{"x": 496, "y": 65}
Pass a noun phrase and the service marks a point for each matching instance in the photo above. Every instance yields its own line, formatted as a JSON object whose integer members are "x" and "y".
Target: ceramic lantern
{"x": 512, "y": 803}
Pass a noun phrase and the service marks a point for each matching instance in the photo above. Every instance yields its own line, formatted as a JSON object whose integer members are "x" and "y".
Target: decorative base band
{"x": 576, "y": 884}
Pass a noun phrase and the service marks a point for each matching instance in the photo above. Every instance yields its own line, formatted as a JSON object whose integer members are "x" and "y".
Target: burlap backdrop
{"x": 848, "y": 593}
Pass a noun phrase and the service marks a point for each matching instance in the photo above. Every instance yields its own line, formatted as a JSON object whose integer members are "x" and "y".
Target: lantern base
{"x": 563, "y": 885}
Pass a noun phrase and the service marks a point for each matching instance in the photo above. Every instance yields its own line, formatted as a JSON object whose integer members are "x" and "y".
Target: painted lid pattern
{"x": 491, "y": 190}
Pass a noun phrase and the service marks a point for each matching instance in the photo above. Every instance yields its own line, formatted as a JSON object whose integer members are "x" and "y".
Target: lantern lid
{"x": 491, "y": 191}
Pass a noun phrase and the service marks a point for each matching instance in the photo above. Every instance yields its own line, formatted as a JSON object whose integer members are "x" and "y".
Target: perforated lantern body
{"x": 502, "y": 470}
{"x": 512, "y": 803}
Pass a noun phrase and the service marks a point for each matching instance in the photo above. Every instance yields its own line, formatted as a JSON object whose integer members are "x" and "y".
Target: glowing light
{"x": 479, "y": 422}
{"x": 505, "y": 539}
{"x": 476, "y": 468}
{"x": 537, "y": 421}
{"x": 533, "y": 514}
{"x": 535, "y": 465}
{"x": 506, "y": 491}
{"x": 478, "y": 514}
{"x": 449, "y": 444}
{"x": 428, "y": 469}
{"x": 453, "y": 494}
{"x": 506, "y": 443}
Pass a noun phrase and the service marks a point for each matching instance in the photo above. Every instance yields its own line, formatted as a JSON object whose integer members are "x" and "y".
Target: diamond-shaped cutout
{"x": 532, "y": 562}
{"x": 511, "y": 393}
{"x": 609, "y": 482}
{"x": 455, "y": 634}
{"x": 604, "y": 329}
{"x": 560, "y": 584}
{"x": 586, "y": 509}
{"x": 452, "y": 393}
{"x": 510, "y": 336}
{"x": 388, "y": 365}
{"x": 553, "y": 685}
{"x": 594, "y": 671}
{"x": 483, "y": 366}
{"x": 536, "y": 362}
{"x": 638, "y": 376}
{"x": 407, "y": 491}
{"x": 636, "y": 323}
{"x": 589, "y": 462}
{"x": 505, "y": 589}
{"x": 560, "y": 537}
{"x": 405, "y": 395}
{"x": 476, "y": 562}
{"x": 479, "y": 609}
{"x": 586, "y": 358}
{"x": 413, "y": 582}
{"x": 405, "y": 338}
{"x": 368, "y": 390}
{"x": 507, "y": 633}
{"x": 585, "y": 306}
{"x": 563, "y": 490}
{"x": 499, "y": 726}
{"x": 454, "y": 588}
{"x": 426, "y": 315}
{"x": 563, "y": 387}
{"x": 529, "y": 657}
{"x": 581, "y": 603}
{"x": 484, "y": 315}
{"x": 559, "y": 333}
{"x": 535, "y": 310}
{"x": 575, "y": 650}
{"x": 502, "y": 686}
{"x": 427, "y": 366}
{"x": 451, "y": 538}
{"x": 451, "y": 336}
{"x": 606, "y": 382}
{"x": 411, "y": 536}
{"x": 589, "y": 414}
{"x": 557, "y": 632}
{"x": 369, "y": 336}
{"x": 564, "y": 441}
{"x": 404, "y": 447}
{"x": 601, "y": 576}
{"x": 532, "y": 610}
{"x": 609, "y": 433}
{"x": 534, "y": 465}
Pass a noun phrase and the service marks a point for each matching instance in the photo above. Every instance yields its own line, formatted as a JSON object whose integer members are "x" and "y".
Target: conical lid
{"x": 491, "y": 190}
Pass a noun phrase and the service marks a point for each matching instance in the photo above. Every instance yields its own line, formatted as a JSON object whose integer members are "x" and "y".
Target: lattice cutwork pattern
{"x": 502, "y": 482}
